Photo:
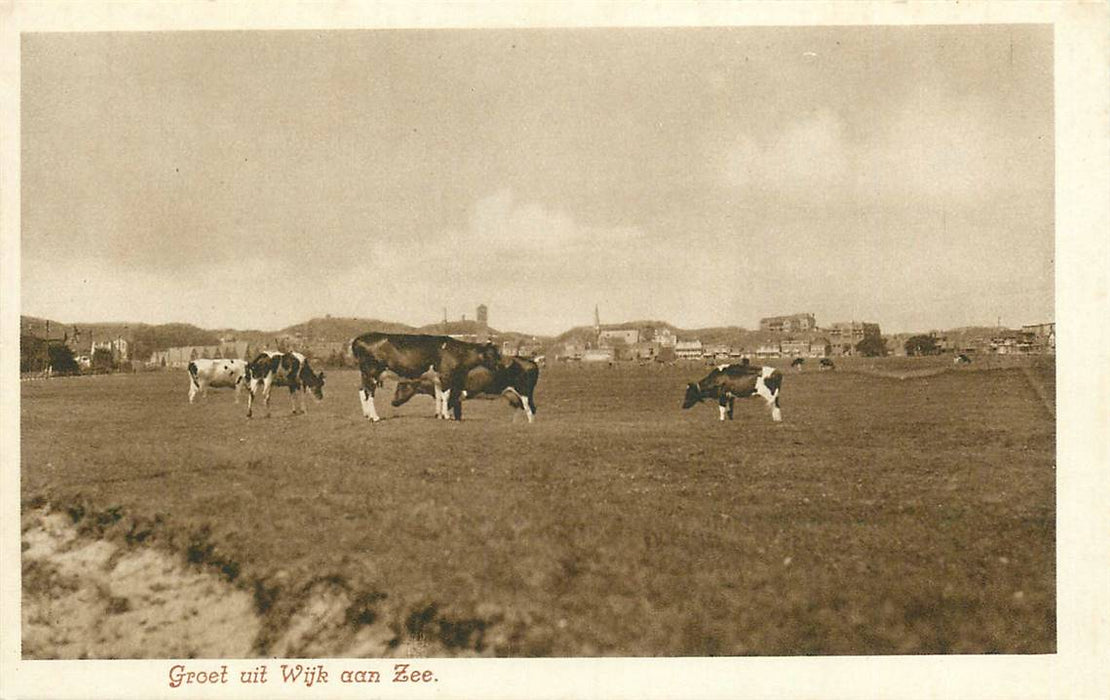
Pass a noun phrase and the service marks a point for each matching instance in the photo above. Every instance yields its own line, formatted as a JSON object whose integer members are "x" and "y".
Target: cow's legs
{"x": 721, "y": 407}
{"x": 267, "y": 385}
{"x": 193, "y": 389}
{"x": 772, "y": 399}
{"x": 445, "y": 404}
{"x": 238, "y": 388}
{"x": 441, "y": 398}
{"x": 454, "y": 396}
{"x": 518, "y": 400}
{"x": 371, "y": 376}
{"x": 252, "y": 387}
{"x": 770, "y": 396}
{"x": 527, "y": 404}
{"x": 366, "y": 398}
{"x": 731, "y": 403}
{"x": 773, "y": 402}
{"x": 293, "y": 399}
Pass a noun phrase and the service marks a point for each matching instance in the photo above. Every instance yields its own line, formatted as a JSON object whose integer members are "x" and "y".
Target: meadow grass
{"x": 882, "y": 516}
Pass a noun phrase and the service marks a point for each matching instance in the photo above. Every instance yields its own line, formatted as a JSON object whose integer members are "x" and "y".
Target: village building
{"x": 178, "y": 357}
{"x": 1014, "y": 343}
{"x": 717, "y": 351}
{"x": 819, "y": 348}
{"x": 794, "y": 348}
{"x": 644, "y": 350}
{"x": 844, "y": 337}
{"x": 688, "y": 350}
{"x": 117, "y": 347}
{"x": 1044, "y": 337}
{"x": 794, "y": 323}
{"x": 623, "y": 336}
{"x": 520, "y": 348}
{"x": 664, "y": 337}
{"x": 571, "y": 351}
{"x": 768, "y": 350}
{"x": 598, "y": 355}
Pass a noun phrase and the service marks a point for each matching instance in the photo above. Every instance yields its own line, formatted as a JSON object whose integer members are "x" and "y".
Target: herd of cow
{"x": 448, "y": 369}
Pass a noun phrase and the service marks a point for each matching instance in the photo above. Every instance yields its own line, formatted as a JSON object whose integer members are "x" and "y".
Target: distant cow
{"x": 216, "y": 373}
{"x": 408, "y": 356}
{"x": 726, "y": 383}
{"x": 289, "y": 369}
{"x": 962, "y": 359}
{"x": 826, "y": 363}
{"x": 797, "y": 363}
{"x": 515, "y": 379}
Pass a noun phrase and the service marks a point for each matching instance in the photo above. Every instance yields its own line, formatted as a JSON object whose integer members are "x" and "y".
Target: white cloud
{"x": 933, "y": 151}
{"x": 807, "y": 157}
{"x": 525, "y": 228}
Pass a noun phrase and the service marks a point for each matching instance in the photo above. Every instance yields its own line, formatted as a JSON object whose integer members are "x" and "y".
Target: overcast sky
{"x": 699, "y": 176}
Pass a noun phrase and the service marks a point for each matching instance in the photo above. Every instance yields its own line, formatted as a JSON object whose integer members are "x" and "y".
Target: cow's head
{"x": 693, "y": 395}
{"x": 490, "y": 355}
{"x": 405, "y": 390}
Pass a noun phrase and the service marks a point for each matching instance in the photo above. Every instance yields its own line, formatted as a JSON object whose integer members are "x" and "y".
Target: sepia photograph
{"x": 397, "y": 345}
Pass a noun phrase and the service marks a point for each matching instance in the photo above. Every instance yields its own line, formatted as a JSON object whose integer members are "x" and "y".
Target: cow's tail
{"x": 193, "y": 374}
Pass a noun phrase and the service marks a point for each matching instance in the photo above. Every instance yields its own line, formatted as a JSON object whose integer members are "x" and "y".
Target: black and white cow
{"x": 826, "y": 363}
{"x": 409, "y": 356}
{"x": 216, "y": 373}
{"x": 289, "y": 369}
{"x": 962, "y": 359}
{"x": 797, "y": 363}
{"x": 515, "y": 378}
{"x": 726, "y": 383}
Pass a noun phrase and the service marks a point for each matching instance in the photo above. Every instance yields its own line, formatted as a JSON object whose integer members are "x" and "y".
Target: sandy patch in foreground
{"x": 94, "y": 599}
{"x": 88, "y": 597}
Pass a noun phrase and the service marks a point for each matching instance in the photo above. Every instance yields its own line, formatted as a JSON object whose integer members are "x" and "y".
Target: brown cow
{"x": 445, "y": 360}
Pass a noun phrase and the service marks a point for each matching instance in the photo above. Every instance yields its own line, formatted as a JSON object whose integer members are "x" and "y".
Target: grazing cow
{"x": 216, "y": 373}
{"x": 515, "y": 379}
{"x": 797, "y": 363}
{"x": 289, "y": 369}
{"x": 962, "y": 359}
{"x": 726, "y": 383}
{"x": 408, "y": 356}
{"x": 826, "y": 363}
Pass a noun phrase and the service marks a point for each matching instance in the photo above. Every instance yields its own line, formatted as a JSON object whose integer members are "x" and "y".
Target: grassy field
{"x": 890, "y": 512}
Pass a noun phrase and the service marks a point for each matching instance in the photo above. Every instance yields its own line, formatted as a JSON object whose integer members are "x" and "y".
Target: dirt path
{"x": 95, "y": 597}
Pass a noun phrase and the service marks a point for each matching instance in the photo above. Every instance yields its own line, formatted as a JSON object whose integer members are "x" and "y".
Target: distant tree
{"x": 33, "y": 355}
{"x": 871, "y": 346}
{"x": 62, "y": 359}
{"x": 922, "y": 345}
{"x": 102, "y": 360}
